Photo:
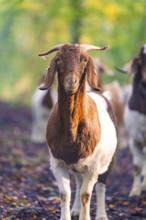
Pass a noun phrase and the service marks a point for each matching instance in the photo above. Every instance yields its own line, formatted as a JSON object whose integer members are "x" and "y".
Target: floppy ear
{"x": 49, "y": 78}
{"x": 92, "y": 76}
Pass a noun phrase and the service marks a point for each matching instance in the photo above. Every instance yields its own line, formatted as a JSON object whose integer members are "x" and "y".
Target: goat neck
{"x": 137, "y": 101}
{"x": 72, "y": 109}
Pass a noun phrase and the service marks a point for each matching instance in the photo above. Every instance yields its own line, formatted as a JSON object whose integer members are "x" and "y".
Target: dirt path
{"x": 27, "y": 187}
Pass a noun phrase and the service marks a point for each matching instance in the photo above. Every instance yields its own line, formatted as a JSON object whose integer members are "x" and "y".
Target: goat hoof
{"x": 135, "y": 192}
{"x": 102, "y": 218}
{"x": 143, "y": 184}
{"x": 143, "y": 187}
{"x": 75, "y": 212}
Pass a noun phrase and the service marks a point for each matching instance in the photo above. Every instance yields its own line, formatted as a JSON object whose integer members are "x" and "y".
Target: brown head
{"x": 72, "y": 63}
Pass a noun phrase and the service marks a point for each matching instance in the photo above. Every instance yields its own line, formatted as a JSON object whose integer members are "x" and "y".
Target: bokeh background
{"x": 28, "y": 189}
{"x": 30, "y": 26}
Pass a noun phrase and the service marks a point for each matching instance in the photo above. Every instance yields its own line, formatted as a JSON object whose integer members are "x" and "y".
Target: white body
{"x": 124, "y": 96}
{"x": 135, "y": 124}
{"x": 88, "y": 169}
{"x": 119, "y": 96}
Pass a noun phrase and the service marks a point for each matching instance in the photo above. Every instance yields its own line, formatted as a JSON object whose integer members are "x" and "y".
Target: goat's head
{"x": 137, "y": 65}
{"x": 72, "y": 63}
{"x": 101, "y": 67}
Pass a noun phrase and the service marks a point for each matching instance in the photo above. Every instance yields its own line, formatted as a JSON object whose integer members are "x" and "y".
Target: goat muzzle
{"x": 71, "y": 82}
{"x": 71, "y": 85}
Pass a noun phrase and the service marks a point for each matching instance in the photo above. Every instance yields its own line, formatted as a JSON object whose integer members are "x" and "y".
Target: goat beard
{"x": 70, "y": 92}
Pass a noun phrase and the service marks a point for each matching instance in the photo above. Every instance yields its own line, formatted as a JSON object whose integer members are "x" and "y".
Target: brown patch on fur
{"x": 92, "y": 77}
{"x": 73, "y": 129}
{"x": 72, "y": 136}
{"x": 85, "y": 199}
{"x": 47, "y": 100}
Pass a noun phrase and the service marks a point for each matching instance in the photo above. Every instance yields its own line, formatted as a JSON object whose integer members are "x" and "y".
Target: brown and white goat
{"x": 118, "y": 96}
{"x": 135, "y": 120}
{"x": 43, "y": 101}
{"x": 81, "y": 134}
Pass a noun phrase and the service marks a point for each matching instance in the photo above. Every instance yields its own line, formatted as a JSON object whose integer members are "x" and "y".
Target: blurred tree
{"x": 76, "y": 21}
{"x": 30, "y": 26}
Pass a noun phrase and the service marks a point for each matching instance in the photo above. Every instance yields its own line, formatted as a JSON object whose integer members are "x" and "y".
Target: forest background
{"x": 28, "y": 27}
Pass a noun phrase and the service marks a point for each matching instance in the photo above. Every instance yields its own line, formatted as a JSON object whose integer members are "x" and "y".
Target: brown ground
{"x": 27, "y": 187}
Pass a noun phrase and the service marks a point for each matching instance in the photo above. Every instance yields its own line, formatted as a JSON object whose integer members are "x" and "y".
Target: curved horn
{"x": 127, "y": 68}
{"x": 121, "y": 70}
{"x": 57, "y": 47}
{"x": 92, "y": 47}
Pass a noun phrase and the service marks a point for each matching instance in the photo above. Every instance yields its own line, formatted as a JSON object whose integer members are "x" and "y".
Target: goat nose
{"x": 71, "y": 81}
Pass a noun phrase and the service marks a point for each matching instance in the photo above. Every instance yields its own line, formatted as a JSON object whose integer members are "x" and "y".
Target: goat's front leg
{"x": 89, "y": 180}
{"x": 77, "y": 202}
{"x": 136, "y": 186}
{"x": 101, "y": 211}
{"x": 61, "y": 174}
{"x": 143, "y": 185}
{"x": 137, "y": 162}
{"x": 100, "y": 193}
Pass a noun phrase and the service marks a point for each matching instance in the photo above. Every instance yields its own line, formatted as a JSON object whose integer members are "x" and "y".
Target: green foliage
{"x": 30, "y": 26}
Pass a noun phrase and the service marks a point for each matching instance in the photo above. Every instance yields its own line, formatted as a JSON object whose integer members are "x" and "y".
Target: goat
{"x": 41, "y": 106}
{"x": 100, "y": 68}
{"x": 81, "y": 134}
{"x": 115, "y": 92}
{"x": 135, "y": 120}
{"x": 42, "y": 102}
{"x": 114, "y": 89}
{"x": 119, "y": 95}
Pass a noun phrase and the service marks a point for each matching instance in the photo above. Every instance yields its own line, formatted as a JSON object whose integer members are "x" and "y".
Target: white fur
{"x": 100, "y": 192}
{"x": 88, "y": 169}
{"x": 125, "y": 93}
{"x": 40, "y": 115}
{"x": 144, "y": 49}
{"x": 135, "y": 124}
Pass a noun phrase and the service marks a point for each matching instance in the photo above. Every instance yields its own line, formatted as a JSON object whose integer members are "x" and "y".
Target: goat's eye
{"x": 84, "y": 59}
